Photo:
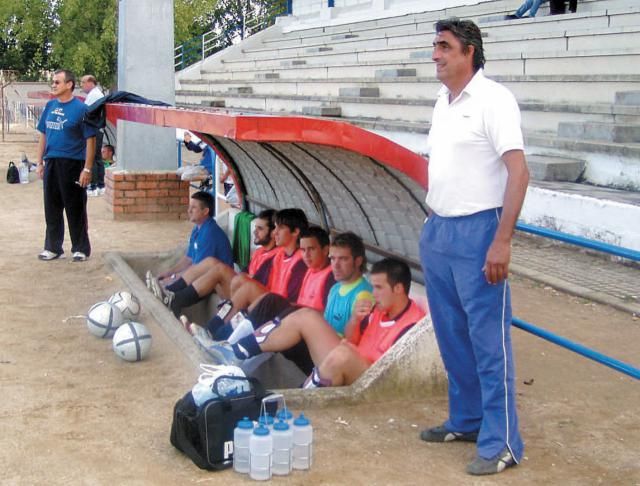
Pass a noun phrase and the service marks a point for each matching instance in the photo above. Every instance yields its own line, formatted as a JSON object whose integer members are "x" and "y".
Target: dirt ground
{"x": 73, "y": 413}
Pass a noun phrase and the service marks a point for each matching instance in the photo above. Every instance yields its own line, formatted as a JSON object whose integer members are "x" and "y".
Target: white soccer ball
{"x": 132, "y": 341}
{"x": 128, "y": 304}
{"x": 103, "y": 319}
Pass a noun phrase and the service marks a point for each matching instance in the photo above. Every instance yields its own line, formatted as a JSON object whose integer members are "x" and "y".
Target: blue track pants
{"x": 472, "y": 322}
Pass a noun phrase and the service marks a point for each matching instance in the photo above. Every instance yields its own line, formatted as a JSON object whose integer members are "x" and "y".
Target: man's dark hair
{"x": 206, "y": 199}
{"x": 68, "y": 77}
{"x": 294, "y": 218}
{"x": 267, "y": 215}
{"x": 354, "y": 243}
{"x": 397, "y": 272}
{"x": 316, "y": 232}
{"x": 108, "y": 146}
{"x": 468, "y": 34}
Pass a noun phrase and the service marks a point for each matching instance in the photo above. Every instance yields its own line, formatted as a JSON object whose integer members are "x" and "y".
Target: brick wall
{"x": 146, "y": 195}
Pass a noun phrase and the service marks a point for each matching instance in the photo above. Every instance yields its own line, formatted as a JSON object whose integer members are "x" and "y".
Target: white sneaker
{"x": 47, "y": 255}
{"x": 100, "y": 191}
{"x": 78, "y": 256}
{"x": 91, "y": 193}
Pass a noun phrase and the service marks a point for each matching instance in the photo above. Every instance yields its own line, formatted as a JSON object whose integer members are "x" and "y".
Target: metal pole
{"x": 3, "y": 108}
{"x": 579, "y": 241}
{"x": 625, "y": 368}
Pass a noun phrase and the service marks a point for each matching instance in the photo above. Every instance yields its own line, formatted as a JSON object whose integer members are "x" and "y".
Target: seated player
{"x": 287, "y": 268}
{"x": 338, "y": 361}
{"x": 207, "y": 239}
{"x": 212, "y": 275}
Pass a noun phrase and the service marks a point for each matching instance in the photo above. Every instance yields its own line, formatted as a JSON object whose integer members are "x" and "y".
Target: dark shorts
{"x": 274, "y": 305}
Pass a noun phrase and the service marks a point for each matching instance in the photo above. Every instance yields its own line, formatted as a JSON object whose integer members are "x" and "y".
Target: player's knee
{"x": 337, "y": 358}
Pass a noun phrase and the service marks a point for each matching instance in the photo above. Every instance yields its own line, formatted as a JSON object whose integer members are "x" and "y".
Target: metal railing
{"x": 560, "y": 340}
{"x": 198, "y": 48}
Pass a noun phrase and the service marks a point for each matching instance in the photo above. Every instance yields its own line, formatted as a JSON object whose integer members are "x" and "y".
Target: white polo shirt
{"x": 466, "y": 140}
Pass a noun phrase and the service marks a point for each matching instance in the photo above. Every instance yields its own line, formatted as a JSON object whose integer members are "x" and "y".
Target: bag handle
{"x": 274, "y": 397}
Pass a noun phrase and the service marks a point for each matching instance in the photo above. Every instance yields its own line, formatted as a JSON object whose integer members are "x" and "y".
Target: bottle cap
{"x": 284, "y": 414}
{"x": 301, "y": 420}
{"x": 245, "y": 423}
{"x": 281, "y": 425}
{"x": 265, "y": 420}
{"x": 260, "y": 430}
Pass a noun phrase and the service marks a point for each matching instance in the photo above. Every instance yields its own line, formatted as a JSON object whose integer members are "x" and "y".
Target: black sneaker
{"x": 511, "y": 17}
{"x": 440, "y": 434}
{"x": 483, "y": 467}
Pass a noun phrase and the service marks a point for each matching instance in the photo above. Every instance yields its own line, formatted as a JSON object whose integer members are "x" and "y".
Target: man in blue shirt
{"x": 207, "y": 239}
{"x": 65, "y": 158}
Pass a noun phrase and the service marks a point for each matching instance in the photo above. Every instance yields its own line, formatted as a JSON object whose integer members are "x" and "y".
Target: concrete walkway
{"x": 596, "y": 277}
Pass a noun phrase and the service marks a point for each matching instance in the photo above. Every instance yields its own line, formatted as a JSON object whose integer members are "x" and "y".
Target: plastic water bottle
{"x": 302, "y": 443}
{"x": 266, "y": 420}
{"x": 260, "y": 448}
{"x": 23, "y": 171}
{"x": 285, "y": 415}
{"x": 282, "y": 445}
{"x": 241, "y": 436}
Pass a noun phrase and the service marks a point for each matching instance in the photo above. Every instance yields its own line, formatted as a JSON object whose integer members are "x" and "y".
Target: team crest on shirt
{"x": 60, "y": 120}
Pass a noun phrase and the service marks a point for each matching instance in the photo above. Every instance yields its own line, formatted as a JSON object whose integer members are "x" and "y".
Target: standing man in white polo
{"x": 478, "y": 178}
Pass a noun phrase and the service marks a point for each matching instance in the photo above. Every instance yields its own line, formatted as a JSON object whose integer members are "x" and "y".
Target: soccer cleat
{"x": 156, "y": 288}
{"x": 222, "y": 353}
{"x": 441, "y": 434}
{"x": 47, "y": 255}
{"x": 482, "y": 467}
{"x": 78, "y": 256}
{"x": 148, "y": 278}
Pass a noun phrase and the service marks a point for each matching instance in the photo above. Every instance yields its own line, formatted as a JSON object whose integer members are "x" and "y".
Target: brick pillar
{"x": 146, "y": 195}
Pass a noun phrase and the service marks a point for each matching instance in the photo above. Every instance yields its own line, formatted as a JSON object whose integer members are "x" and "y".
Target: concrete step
{"x": 267, "y": 76}
{"x": 609, "y": 164}
{"x": 395, "y": 73}
{"x": 333, "y": 111}
{"x": 360, "y": 92}
{"x": 548, "y": 168}
{"x": 628, "y": 98}
{"x": 607, "y": 132}
{"x": 240, "y": 90}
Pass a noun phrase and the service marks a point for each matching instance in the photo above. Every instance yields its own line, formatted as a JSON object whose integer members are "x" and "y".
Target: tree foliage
{"x": 26, "y": 28}
{"x": 85, "y": 39}
{"x": 38, "y": 36}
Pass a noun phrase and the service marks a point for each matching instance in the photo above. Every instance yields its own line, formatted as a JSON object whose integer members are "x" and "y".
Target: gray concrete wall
{"x": 145, "y": 67}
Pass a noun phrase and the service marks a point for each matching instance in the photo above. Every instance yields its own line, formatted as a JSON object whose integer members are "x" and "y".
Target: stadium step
{"x": 549, "y": 168}
{"x": 607, "y": 132}
{"x": 333, "y": 111}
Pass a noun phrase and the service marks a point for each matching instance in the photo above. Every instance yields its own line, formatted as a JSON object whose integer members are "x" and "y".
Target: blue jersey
{"x": 342, "y": 298}
{"x": 209, "y": 240}
{"x": 64, "y": 130}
